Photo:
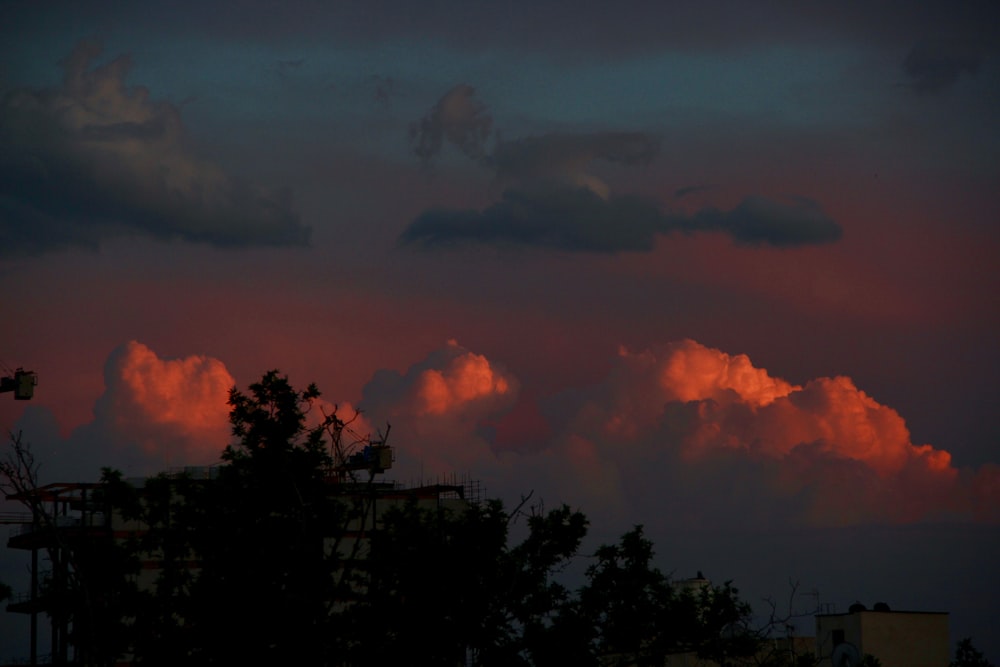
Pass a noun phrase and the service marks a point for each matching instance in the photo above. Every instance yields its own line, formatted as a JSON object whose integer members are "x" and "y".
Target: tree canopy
{"x": 967, "y": 655}
{"x": 275, "y": 557}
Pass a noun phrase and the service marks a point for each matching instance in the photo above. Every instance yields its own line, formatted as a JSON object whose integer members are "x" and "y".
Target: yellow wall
{"x": 896, "y": 638}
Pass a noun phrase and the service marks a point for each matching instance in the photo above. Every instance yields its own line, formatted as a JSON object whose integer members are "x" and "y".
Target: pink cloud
{"x": 174, "y": 410}
{"x": 438, "y": 406}
{"x": 825, "y": 452}
{"x": 465, "y": 379}
{"x": 680, "y": 432}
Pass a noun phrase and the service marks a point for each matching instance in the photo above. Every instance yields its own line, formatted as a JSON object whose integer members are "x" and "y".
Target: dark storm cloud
{"x": 936, "y": 65}
{"x": 463, "y": 121}
{"x": 564, "y": 157}
{"x": 94, "y": 158}
{"x": 459, "y": 118}
{"x": 560, "y": 218}
{"x": 552, "y": 200}
{"x": 577, "y": 219}
{"x": 758, "y": 220}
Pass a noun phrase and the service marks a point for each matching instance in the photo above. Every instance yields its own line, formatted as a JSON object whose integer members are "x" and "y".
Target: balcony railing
{"x": 93, "y": 520}
{"x": 15, "y": 517}
{"x": 42, "y": 659}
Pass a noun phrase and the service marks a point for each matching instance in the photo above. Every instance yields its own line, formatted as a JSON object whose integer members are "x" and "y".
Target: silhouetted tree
{"x": 543, "y": 614}
{"x": 639, "y": 618}
{"x": 627, "y": 600}
{"x": 446, "y": 586}
{"x": 966, "y": 655}
{"x": 275, "y": 558}
{"x": 245, "y": 575}
{"x": 90, "y": 589}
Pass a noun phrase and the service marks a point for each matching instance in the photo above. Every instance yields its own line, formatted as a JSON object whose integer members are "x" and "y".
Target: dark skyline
{"x": 724, "y": 270}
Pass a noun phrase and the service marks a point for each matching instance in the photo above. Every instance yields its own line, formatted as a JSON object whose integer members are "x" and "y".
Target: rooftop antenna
{"x": 22, "y": 383}
{"x": 846, "y": 654}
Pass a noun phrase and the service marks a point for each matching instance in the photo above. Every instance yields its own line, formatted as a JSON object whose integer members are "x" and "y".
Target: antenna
{"x": 22, "y": 383}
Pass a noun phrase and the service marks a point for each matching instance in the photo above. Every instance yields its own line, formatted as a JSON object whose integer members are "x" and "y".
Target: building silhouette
{"x": 70, "y": 523}
{"x": 896, "y": 638}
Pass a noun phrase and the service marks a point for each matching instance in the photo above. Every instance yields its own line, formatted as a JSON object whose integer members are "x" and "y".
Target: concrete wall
{"x": 896, "y": 638}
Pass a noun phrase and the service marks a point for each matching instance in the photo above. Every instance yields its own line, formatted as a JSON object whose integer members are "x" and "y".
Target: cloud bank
{"x": 95, "y": 158}
{"x": 580, "y": 219}
{"x": 437, "y": 408}
{"x": 680, "y": 435}
{"x": 154, "y": 414}
{"x": 552, "y": 199}
{"x": 731, "y": 441}
{"x": 170, "y": 409}
{"x": 685, "y": 435}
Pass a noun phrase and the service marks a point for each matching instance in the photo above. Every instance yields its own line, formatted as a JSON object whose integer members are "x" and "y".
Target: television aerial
{"x": 21, "y": 382}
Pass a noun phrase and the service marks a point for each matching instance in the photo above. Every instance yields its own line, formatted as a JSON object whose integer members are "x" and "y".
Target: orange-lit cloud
{"x": 450, "y": 382}
{"x": 174, "y": 410}
{"x": 825, "y": 452}
{"x": 676, "y": 433}
{"x": 439, "y": 405}
{"x": 690, "y": 371}
{"x": 466, "y": 378}
{"x": 684, "y": 432}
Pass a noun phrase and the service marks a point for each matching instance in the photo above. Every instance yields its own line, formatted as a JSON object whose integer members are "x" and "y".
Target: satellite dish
{"x": 846, "y": 654}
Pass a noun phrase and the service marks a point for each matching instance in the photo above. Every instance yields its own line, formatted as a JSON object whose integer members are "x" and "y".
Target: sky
{"x": 723, "y": 269}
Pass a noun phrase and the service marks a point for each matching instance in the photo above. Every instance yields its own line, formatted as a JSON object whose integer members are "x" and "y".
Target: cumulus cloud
{"x": 580, "y": 219}
{"x": 439, "y": 404}
{"x": 458, "y": 118}
{"x": 157, "y": 413}
{"x": 94, "y": 158}
{"x": 683, "y": 434}
{"x": 680, "y": 434}
{"x": 173, "y": 410}
{"x": 727, "y": 439}
{"x": 450, "y": 381}
{"x": 935, "y": 65}
{"x": 154, "y": 414}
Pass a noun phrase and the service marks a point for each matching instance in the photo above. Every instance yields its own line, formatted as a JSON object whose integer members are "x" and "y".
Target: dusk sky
{"x": 725, "y": 269}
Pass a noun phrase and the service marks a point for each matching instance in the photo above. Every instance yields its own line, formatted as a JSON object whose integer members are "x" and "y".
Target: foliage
{"x": 90, "y": 587}
{"x": 279, "y": 558}
{"x": 966, "y": 655}
{"x": 625, "y": 600}
{"x": 244, "y": 576}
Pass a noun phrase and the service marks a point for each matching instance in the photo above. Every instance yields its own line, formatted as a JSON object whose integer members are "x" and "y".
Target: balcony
{"x": 36, "y": 535}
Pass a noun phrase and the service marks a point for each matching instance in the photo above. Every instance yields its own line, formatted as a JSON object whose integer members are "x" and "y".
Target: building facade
{"x": 896, "y": 638}
{"x": 72, "y": 527}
